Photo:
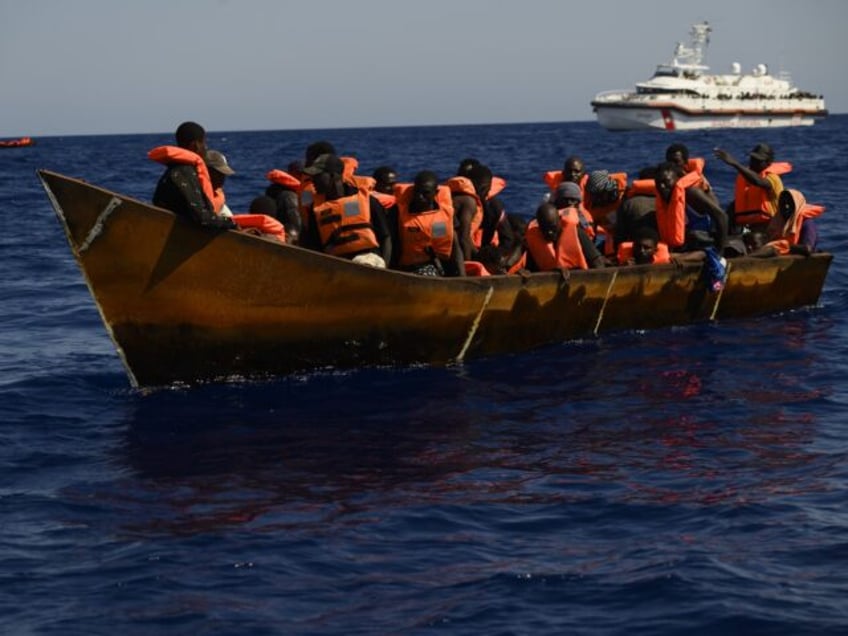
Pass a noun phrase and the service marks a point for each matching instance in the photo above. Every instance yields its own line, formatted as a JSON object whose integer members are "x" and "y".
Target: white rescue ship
{"x": 683, "y": 95}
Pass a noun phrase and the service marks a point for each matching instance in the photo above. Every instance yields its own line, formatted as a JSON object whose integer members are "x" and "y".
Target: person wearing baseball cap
{"x": 758, "y": 187}
{"x": 219, "y": 170}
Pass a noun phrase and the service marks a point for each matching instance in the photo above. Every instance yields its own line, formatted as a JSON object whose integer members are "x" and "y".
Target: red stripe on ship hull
{"x": 668, "y": 120}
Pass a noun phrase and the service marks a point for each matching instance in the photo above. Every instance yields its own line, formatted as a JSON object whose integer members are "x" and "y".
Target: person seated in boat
{"x": 185, "y": 188}
{"x": 569, "y": 195}
{"x": 265, "y": 208}
{"x": 678, "y": 153}
{"x": 284, "y": 190}
{"x": 687, "y": 219}
{"x": 603, "y": 194}
{"x": 555, "y": 240}
{"x": 792, "y": 230}
{"x": 427, "y": 241}
{"x": 638, "y": 209}
{"x": 645, "y": 249}
{"x": 479, "y": 216}
{"x": 344, "y": 220}
{"x": 758, "y": 186}
{"x": 573, "y": 170}
{"x": 385, "y": 178}
{"x": 219, "y": 170}
{"x": 263, "y": 224}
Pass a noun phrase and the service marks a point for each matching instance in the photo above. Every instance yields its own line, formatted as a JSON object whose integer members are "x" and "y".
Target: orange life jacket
{"x": 567, "y": 253}
{"x": 498, "y": 184}
{"x": 671, "y": 216}
{"x": 475, "y": 268}
{"x": 423, "y": 232}
{"x": 283, "y": 178}
{"x": 262, "y": 222}
{"x": 174, "y": 154}
{"x": 753, "y": 204}
{"x": 784, "y": 234}
{"x": 463, "y": 185}
{"x": 625, "y": 253}
{"x": 344, "y": 224}
{"x": 642, "y": 187}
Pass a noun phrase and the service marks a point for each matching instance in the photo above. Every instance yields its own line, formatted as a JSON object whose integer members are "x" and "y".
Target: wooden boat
{"x": 188, "y": 304}
{"x": 22, "y": 142}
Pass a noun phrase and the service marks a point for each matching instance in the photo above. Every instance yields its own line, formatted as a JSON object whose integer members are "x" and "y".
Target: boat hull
{"x": 188, "y": 304}
{"x": 620, "y": 117}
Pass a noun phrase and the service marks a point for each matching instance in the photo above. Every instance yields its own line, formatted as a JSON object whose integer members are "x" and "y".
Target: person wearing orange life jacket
{"x": 284, "y": 190}
{"x": 263, "y": 224}
{"x": 687, "y": 219}
{"x": 479, "y": 216}
{"x": 573, "y": 170}
{"x": 758, "y": 185}
{"x": 555, "y": 240}
{"x": 792, "y": 230}
{"x": 678, "y": 153}
{"x": 645, "y": 249}
{"x": 569, "y": 195}
{"x": 349, "y": 223}
{"x": 603, "y": 194}
{"x": 185, "y": 187}
{"x": 427, "y": 243}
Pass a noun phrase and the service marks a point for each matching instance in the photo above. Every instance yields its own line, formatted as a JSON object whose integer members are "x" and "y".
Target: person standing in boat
{"x": 758, "y": 186}
{"x": 556, "y": 240}
{"x": 185, "y": 188}
{"x": 427, "y": 242}
{"x": 348, "y": 221}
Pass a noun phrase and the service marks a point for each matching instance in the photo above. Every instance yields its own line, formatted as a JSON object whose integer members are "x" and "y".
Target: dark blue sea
{"x": 682, "y": 481}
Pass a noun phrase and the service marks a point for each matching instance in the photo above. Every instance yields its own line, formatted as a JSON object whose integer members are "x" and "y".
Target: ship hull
{"x": 671, "y": 118}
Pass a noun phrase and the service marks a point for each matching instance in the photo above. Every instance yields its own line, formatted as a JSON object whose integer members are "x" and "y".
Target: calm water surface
{"x": 689, "y": 480}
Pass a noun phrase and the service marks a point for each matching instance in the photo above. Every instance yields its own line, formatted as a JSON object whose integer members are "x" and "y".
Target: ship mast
{"x": 692, "y": 56}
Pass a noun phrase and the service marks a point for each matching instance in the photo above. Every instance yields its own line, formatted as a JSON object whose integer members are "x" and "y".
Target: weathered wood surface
{"x": 183, "y": 303}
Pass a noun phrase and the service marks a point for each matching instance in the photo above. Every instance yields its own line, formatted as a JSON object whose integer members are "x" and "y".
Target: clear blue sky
{"x": 123, "y": 66}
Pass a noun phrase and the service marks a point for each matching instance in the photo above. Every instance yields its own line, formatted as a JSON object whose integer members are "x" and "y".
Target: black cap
{"x": 763, "y": 152}
{"x": 330, "y": 164}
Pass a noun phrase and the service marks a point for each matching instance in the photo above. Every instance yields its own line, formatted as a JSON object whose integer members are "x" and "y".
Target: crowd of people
{"x": 460, "y": 227}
